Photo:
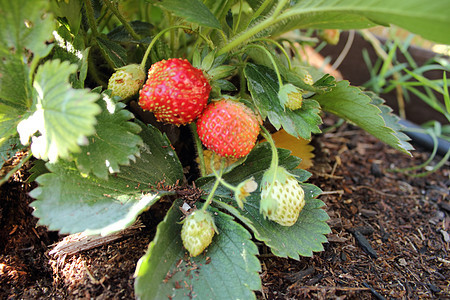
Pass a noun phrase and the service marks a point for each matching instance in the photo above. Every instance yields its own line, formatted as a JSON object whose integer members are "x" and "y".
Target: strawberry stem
{"x": 260, "y": 10}
{"x": 245, "y": 36}
{"x": 275, "y": 67}
{"x": 236, "y": 24}
{"x": 288, "y": 59}
{"x": 274, "y": 163}
{"x": 91, "y": 17}
{"x": 122, "y": 20}
{"x": 221, "y": 180}
{"x": 214, "y": 188}
{"x": 152, "y": 43}
{"x": 266, "y": 134}
{"x": 278, "y": 9}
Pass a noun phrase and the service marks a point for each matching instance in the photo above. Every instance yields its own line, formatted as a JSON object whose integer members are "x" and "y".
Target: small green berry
{"x": 126, "y": 81}
{"x": 197, "y": 232}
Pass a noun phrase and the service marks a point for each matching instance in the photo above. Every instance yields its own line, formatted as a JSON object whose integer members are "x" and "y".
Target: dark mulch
{"x": 389, "y": 237}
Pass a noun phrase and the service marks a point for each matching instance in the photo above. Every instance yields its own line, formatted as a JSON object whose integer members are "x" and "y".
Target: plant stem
{"x": 260, "y": 10}
{"x": 274, "y": 163}
{"x": 246, "y": 35}
{"x": 93, "y": 25}
{"x": 90, "y": 17}
{"x": 266, "y": 134}
{"x": 221, "y": 180}
{"x": 279, "y": 7}
{"x": 213, "y": 190}
{"x": 275, "y": 67}
{"x": 243, "y": 83}
{"x": 152, "y": 43}
{"x": 122, "y": 20}
{"x": 198, "y": 145}
{"x": 104, "y": 20}
{"x": 236, "y": 25}
{"x": 279, "y": 47}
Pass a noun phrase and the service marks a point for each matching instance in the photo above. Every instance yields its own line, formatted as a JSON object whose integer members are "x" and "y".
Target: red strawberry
{"x": 228, "y": 128}
{"x": 175, "y": 91}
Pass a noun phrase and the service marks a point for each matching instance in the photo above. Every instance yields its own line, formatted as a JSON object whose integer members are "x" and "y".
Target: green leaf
{"x": 193, "y": 11}
{"x": 429, "y": 19}
{"x": 8, "y": 147}
{"x": 14, "y": 84}
{"x": 264, "y": 87}
{"x": 72, "y": 49}
{"x": 121, "y": 35}
{"x": 64, "y": 116}
{"x": 391, "y": 120}
{"x": 351, "y": 104}
{"x": 26, "y": 26}
{"x": 37, "y": 170}
{"x": 114, "y": 143}
{"x": 222, "y": 71}
{"x": 9, "y": 118}
{"x": 295, "y": 76}
{"x": 228, "y": 270}
{"x": 71, "y": 11}
{"x": 114, "y": 52}
{"x": 305, "y": 236}
{"x": 15, "y": 94}
{"x": 70, "y": 202}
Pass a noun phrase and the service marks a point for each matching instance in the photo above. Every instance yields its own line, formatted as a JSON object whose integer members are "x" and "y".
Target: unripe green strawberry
{"x": 197, "y": 232}
{"x": 282, "y": 197}
{"x": 331, "y": 36}
{"x": 126, "y": 81}
{"x": 308, "y": 78}
{"x": 290, "y": 96}
{"x": 175, "y": 91}
{"x": 229, "y": 128}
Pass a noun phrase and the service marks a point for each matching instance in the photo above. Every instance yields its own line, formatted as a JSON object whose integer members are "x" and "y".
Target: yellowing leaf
{"x": 299, "y": 147}
{"x": 208, "y": 155}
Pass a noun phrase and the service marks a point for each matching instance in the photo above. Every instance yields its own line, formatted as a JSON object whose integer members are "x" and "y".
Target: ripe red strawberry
{"x": 175, "y": 91}
{"x": 197, "y": 232}
{"x": 228, "y": 128}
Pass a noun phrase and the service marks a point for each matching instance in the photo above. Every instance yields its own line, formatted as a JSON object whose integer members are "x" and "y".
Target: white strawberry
{"x": 197, "y": 232}
{"x": 290, "y": 96}
{"x": 282, "y": 197}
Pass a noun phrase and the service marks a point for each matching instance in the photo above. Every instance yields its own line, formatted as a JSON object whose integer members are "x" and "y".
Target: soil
{"x": 390, "y": 236}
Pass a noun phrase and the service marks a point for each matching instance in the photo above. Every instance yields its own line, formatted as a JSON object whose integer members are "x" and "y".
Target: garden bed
{"x": 389, "y": 236}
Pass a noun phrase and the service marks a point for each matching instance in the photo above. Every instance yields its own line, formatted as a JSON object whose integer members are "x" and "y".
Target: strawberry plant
{"x": 77, "y": 82}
